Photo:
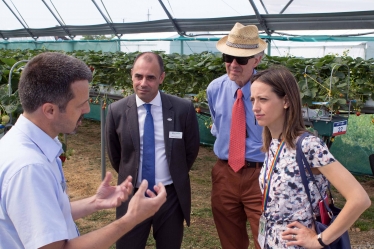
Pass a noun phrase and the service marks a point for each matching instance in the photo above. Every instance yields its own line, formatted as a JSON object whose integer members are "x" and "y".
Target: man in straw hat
{"x": 236, "y": 195}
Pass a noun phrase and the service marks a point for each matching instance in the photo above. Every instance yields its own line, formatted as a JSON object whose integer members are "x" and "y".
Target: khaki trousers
{"x": 236, "y": 198}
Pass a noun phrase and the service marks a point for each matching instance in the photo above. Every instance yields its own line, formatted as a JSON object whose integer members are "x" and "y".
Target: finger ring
{"x": 293, "y": 236}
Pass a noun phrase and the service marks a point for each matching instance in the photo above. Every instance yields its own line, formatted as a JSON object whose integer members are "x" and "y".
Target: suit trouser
{"x": 167, "y": 226}
{"x": 236, "y": 198}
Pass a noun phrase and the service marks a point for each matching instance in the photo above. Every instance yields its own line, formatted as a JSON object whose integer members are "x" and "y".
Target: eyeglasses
{"x": 240, "y": 60}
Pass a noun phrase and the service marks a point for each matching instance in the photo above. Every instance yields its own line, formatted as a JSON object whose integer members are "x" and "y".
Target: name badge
{"x": 175, "y": 134}
{"x": 262, "y": 231}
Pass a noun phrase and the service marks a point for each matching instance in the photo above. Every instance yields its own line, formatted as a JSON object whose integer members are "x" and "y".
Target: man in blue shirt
{"x": 35, "y": 211}
{"x": 236, "y": 195}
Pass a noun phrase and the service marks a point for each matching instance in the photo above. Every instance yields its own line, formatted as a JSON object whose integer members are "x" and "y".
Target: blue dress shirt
{"x": 221, "y": 94}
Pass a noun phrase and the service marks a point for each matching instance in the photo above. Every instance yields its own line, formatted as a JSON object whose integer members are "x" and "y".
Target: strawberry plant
{"x": 67, "y": 153}
{"x": 9, "y": 105}
{"x": 351, "y": 80}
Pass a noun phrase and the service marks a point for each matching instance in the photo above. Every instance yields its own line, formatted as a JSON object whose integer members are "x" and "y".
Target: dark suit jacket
{"x": 123, "y": 143}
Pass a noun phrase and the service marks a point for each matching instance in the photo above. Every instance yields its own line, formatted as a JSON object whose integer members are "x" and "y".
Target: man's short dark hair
{"x": 149, "y": 56}
{"x": 47, "y": 79}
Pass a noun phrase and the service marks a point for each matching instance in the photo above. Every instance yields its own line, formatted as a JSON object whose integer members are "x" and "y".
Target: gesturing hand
{"x": 141, "y": 207}
{"x": 108, "y": 196}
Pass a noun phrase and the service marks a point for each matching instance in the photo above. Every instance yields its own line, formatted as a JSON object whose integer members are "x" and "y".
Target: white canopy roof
{"x": 35, "y": 18}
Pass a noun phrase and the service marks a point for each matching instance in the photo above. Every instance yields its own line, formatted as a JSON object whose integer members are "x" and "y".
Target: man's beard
{"x": 76, "y": 127}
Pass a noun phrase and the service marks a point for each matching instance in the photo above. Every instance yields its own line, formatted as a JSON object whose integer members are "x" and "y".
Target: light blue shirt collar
{"x": 51, "y": 148}
{"x": 245, "y": 90}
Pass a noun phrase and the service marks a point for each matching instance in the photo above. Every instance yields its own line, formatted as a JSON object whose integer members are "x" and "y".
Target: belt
{"x": 248, "y": 164}
{"x": 169, "y": 186}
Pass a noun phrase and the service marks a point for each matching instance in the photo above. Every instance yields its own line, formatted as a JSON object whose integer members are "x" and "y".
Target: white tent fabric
{"x": 36, "y": 14}
{"x": 46, "y": 19}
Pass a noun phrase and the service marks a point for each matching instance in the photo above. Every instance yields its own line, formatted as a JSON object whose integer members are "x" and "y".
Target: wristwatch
{"x": 319, "y": 237}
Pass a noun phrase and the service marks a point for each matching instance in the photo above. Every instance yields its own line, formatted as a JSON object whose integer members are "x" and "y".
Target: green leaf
{"x": 340, "y": 75}
{"x": 9, "y": 103}
{"x": 341, "y": 101}
{"x": 333, "y": 81}
{"x": 319, "y": 64}
{"x": 170, "y": 66}
{"x": 335, "y": 66}
{"x": 3, "y": 90}
{"x": 342, "y": 85}
{"x": 9, "y": 61}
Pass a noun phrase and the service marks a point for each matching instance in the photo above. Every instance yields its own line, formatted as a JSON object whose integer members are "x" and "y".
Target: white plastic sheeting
{"x": 35, "y": 14}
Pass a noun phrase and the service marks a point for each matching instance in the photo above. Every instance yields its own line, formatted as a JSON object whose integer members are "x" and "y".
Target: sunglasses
{"x": 240, "y": 60}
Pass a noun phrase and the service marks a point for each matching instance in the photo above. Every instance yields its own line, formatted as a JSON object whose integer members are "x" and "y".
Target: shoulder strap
{"x": 303, "y": 162}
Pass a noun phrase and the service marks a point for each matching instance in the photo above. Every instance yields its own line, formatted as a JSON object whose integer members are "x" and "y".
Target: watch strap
{"x": 319, "y": 237}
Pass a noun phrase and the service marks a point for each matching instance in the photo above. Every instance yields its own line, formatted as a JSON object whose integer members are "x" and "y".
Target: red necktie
{"x": 237, "y": 134}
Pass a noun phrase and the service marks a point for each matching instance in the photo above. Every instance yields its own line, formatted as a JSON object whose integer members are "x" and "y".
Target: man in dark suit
{"x": 176, "y": 141}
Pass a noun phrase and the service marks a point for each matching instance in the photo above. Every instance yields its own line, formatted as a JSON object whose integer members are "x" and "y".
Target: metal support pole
{"x": 263, "y": 6}
{"x": 109, "y": 22}
{"x": 261, "y": 21}
{"x": 172, "y": 20}
{"x": 102, "y": 122}
{"x": 10, "y": 82}
{"x": 24, "y": 26}
{"x": 285, "y": 7}
{"x": 63, "y": 26}
{"x": 10, "y": 75}
{"x": 1, "y": 35}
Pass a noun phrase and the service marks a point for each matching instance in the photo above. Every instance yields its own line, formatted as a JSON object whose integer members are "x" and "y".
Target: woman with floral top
{"x": 286, "y": 218}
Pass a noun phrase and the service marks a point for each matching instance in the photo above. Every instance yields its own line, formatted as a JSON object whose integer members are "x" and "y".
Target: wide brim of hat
{"x": 241, "y": 52}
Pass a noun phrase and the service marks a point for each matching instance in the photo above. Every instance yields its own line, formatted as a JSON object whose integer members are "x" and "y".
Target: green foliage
{"x": 112, "y": 69}
{"x": 189, "y": 74}
{"x": 354, "y": 148}
{"x": 8, "y": 58}
{"x": 9, "y": 104}
{"x": 350, "y": 79}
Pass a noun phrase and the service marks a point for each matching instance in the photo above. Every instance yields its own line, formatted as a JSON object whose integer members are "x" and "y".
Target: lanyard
{"x": 270, "y": 174}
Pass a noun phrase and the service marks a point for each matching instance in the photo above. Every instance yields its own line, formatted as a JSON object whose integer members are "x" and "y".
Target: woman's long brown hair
{"x": 283, "y": 83}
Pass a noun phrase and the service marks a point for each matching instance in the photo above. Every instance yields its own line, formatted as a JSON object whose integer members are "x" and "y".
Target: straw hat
{"x": 242, "y": 41}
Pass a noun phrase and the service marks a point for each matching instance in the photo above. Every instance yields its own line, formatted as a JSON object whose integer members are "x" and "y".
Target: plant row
{"x": 338, "y": 80}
